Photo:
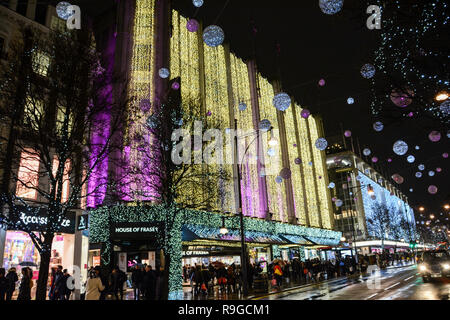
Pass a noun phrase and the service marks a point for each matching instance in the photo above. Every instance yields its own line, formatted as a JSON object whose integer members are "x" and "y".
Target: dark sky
{"x": 313, "y": 46}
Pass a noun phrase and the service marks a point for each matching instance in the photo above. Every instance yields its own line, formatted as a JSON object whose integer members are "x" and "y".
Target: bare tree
{"x": 175, "y": 185}
{"x": 379, "y": 223}
{"x": 56, "y": 101}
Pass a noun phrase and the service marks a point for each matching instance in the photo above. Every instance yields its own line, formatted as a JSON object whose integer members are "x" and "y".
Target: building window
{"x": 65, "y": 179}
{"x": 41, "y": 62}
{"x": 60, "y": 115}
{"x": 28, "y": 175}
{"x": 33, "y": 113}
{"x": 58, "y": 24}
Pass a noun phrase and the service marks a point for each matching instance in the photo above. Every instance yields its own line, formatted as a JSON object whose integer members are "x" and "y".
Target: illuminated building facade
{"x": 361, "y": 188}
{"x": 216, "y": 83}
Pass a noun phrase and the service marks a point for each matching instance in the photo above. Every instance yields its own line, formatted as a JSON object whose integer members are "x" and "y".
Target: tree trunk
{"x": 165, "y": 282}
{"x": 41, "y": 290}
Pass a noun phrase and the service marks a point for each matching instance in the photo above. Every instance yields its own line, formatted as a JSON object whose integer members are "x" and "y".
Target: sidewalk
{"x": 216, "y": 294}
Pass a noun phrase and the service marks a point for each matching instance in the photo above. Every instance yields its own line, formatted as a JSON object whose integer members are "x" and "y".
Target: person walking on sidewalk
{"x": 12, "y": 280}
{"x": 136, "y": 280}
{"x": 4, "y": 284}
{"x": 94, "y": 285}
{"x": 278, "y": 274}
{"x": 25, "y": 285}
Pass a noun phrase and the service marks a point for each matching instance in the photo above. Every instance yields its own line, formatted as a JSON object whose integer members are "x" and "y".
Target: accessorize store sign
{"x": 134, "y": 230}
{"x": 38, "y": 221}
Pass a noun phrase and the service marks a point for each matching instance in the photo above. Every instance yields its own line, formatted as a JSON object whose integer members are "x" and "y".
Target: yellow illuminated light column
{"x": 185, "y": 63}
{"x": 320, "y": 169}
{"x": 141, "y": 83}
{"x": 293, "y": 149}
{"x": 217, "y": 105}
{"x": 276, "y": 192}
{"x": 307, "y": 158}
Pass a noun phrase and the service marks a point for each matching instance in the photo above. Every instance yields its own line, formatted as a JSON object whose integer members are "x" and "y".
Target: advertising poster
{"x": 152, "y": 259}
{"x": 123, "y": 261}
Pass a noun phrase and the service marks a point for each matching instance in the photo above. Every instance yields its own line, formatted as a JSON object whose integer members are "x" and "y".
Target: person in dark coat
{"x": 206, "y": 277}
{"x": 149, "y": 283}
{"x": 116, "y": 281}
{"x": 198, "y": 278}
{"x": 136, "y": 280}
{"x": 60, "y": 285}
{"x": 67, "y": 279}
{"x": 4, "y": 284}
{"x": 12, "y": 280}
{"x": 25, "y": 285}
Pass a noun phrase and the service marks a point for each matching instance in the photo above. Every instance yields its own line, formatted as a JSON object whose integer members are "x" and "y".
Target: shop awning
{"x": 323, "y": 241}
{"x": 196, "y": 232}
{"x": 300, "y": 240}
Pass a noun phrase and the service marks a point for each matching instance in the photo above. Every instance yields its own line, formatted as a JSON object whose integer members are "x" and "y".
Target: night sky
{"x": 314, "y": 45}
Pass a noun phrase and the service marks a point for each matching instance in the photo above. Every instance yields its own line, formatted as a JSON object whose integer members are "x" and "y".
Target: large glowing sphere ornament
{"x": 164, "y": 73}
{"x": 321, "y": 82}
{"x": 350, "y": 100}
{"x": 411, "y": 190}
{"x": 445, "y": 107}
{"x": 338, "y": 203}
{"x": 421, "y": 167}
{"x": 374, "y": 159}
{"x": 175, "y": 86}
{"x": 367, "y": 152}
{"x": 410, "y": 158}
{"x": 368, "y": 71}
{"x": 434, "y": 136}
{"x": 242, "y": 106}
{"x": 197, "y": 3}
{"x": 418, "y": 174}
{"x": 298, "y": 161}
{"x": 397, "y": 178}
{"x": 213, "y": 36}
{"x": 431, "y": 173}
{"x": 432, "y": 189}
{"x": 62, "y": 10}
{"x": 285, "y": 173}
{"x": 417, "y": 148}
{"x": 389, "y": 160}
{"x": 192, "y": 25}
{"x": 378, "y": 126}
{"x": 321, "y": 144}
{"x": 265, "y": 125}
{"x": 402, "y": 99}
{"x": 400, "y": 147}
{"x": 305, "y": 113}
{"x": 278, "y": 179}
{"x": 438, "y": 169}
{"x": 282, "y": 101}
{"x": 271, "y": 152}
{"x": 331, "y": 6}
{"x": 445, "y": 155}
{"x": 331, "y": 185}
{"x": 347, "y": 133}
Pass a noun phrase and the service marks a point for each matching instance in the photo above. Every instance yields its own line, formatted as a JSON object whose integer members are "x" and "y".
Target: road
{"x": 403, "y": 283}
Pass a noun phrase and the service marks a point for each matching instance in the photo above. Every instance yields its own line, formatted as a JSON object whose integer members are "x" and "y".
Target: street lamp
{"x": 343, "y": 239}
{"x": 431, "y": 216}
{"x": 421, "y": 208}
{"x": 240, "y": 212}
{"x": 441, "y": 96}
{"x": 447, "y": 206}
{"x": 223, "y": 230}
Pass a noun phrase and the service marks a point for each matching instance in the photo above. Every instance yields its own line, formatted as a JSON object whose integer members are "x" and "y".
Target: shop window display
{"x": 20, "y": 251}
